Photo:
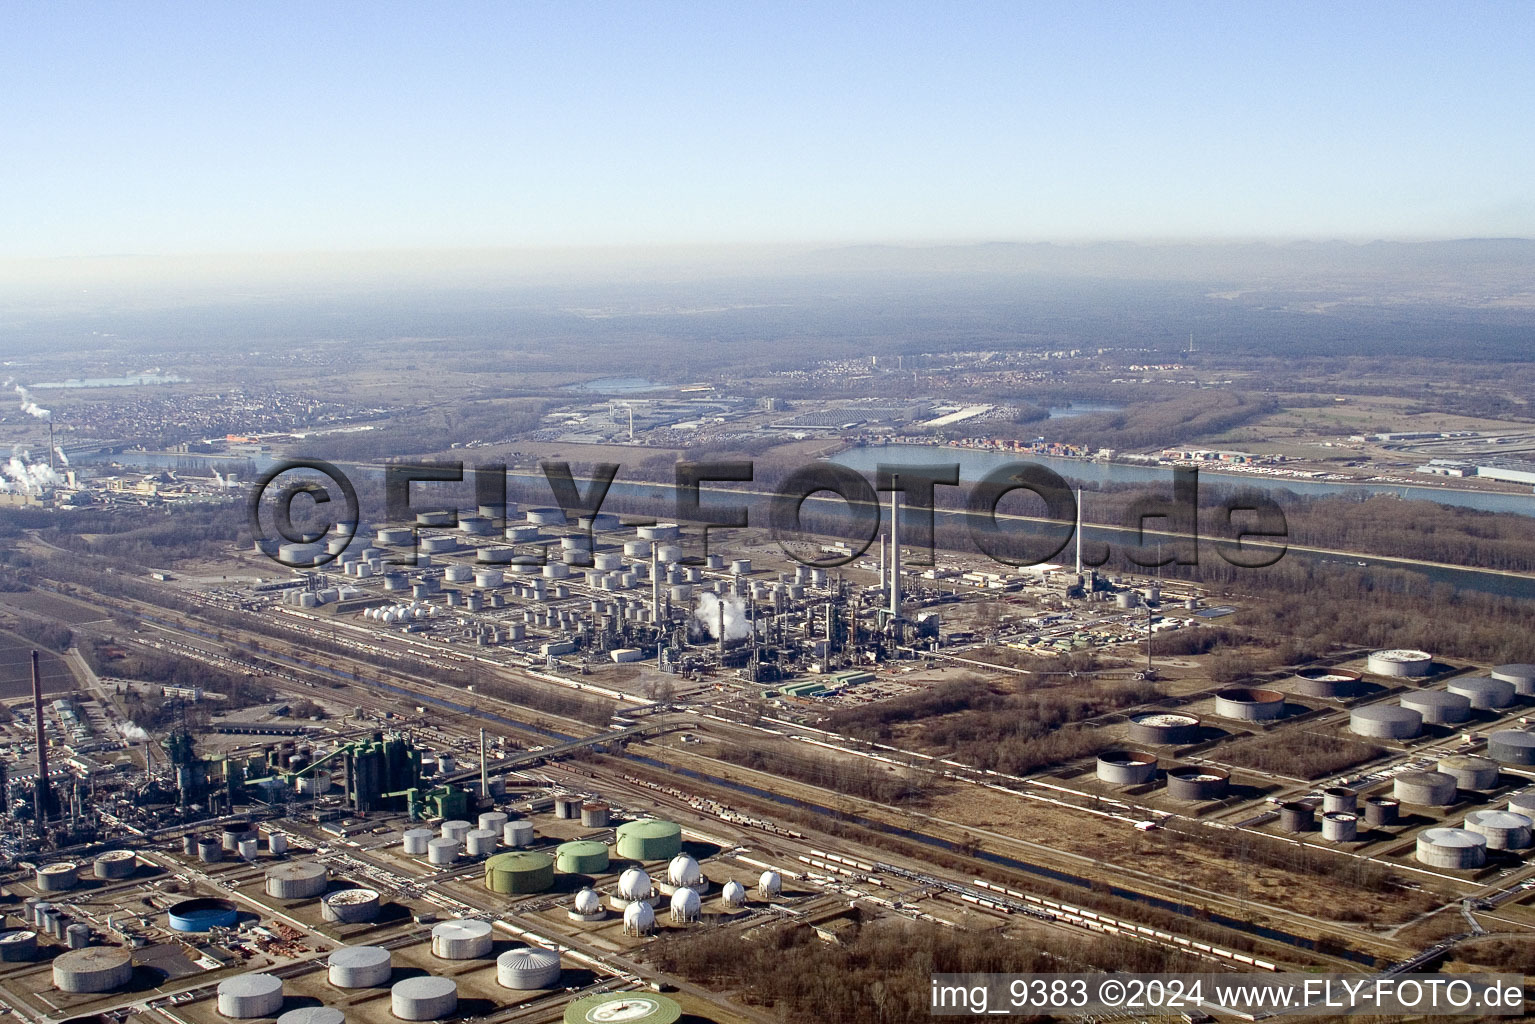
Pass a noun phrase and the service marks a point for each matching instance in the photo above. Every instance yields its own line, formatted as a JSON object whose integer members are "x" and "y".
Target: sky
{"x": 156, "y": 128}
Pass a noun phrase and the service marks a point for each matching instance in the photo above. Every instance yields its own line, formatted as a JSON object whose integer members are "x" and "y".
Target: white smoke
{"x": 707, "y": 612}
{"x": 63, "y": 459}
{"x": 23, "y": 476}
{"x": 133, "y": 733}
{"x": 30, "y": 407}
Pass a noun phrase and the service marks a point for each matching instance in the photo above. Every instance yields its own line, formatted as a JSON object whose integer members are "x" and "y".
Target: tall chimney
{"x": 484, "y": 776}
{"x": 721, "y": 606}
{"x": 51, "y": 445}
{"x": 41, "y": 797}
{"x": 895, "y": 547}
{"x": 655, "y": 583}
{"x": 1079, "y": 531}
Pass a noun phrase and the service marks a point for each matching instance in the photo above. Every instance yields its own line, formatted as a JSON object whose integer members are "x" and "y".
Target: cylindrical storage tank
{"x": 1504, "y": 830}
{"x": 608, "y": 561}
{"x": 250, "y": 849}
{"x": 116, "y": 864}
{"x": 77, "y": 936}
{"x": 567, "y": 806}
{"x": 517, "y": 834}
{"x": 277, "y": 844}
{"x": 1324, "y": 682}
{"x": 55, "y": 926}
{"x": 1127, "y": 599}
{"x": 59, "y": 877}
{"x": 314, "y": 784}
{"x": 1400, "y": 663}
{"x": 18, "y": 945}
{"x": 1470, "y": 772}
{"x": 235, "y": 831}
{"x": 1438, "y": 707}
{"x": 1340, "y": 826}
{"x": 1126, "y": 767}
{"x": 526, "y": 968}
{"x": 594, "y": 815}
{"x": 1512, "y": 746}
{"x": 480, "y": 842}
{"x": 1381, "y": 810}
{"x": 313, "y": 1015}
{"x": 350, "y": 906}
{"x": 487, "y": 579}
{"x": 1523, "y": 803}
{"x": 1385, "y": 722}
{"x": 1484, "y": 692}
{"x": 96, "y": 969}
{"x": 458, "y": 574}
{"x": 456, "y": 830}
{"x": 428, "y": 998}
{"x": 1197, "y": 782}
{"x": 296, "y": 880}
{"x": 1163, "y": 728}
{"x": 1339, "y": 799}
{"x": 189, "y": 845}
{"x": 442, "y": 852}
{"x": 1426, "y": 789}
{"x": 1296, "y": 817}
{"x": 438, "y": 545}
{"x": 583, "y": 857}
{"x": 394, "y": 536}
{"x": 415, "y": 840}
{"x": 519, "y": 873}
{"x": 495, "y": 821}
{"x": 649, "y": 839}
{"x": 204, "y": 913}
{"x": 361, "y": 967}
{"x": 1249, "y": 704}
{"x": 1522, "y": 676}
{"x": 462, "y": 939}
{"x": 1454, "y": 848}
{"x": 546, "y": 517}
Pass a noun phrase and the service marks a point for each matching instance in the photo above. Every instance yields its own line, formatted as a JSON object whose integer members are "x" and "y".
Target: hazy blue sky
{"x": 166, "y": 128}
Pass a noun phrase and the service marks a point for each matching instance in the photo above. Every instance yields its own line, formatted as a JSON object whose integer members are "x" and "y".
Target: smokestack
{"x": 1079, "y": 531}
{"x": 721, "y": 607}
{"x": 655, "y": 583}
{"x": 41, "y": 797}
{"x": 51, "y": 466}
{"x": 895, "y": 547}
{"x": 484, "y": 775}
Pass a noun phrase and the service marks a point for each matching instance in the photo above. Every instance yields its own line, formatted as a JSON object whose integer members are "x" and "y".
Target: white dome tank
{"x": 770, "y": 884}
{"x": 588, "y": 902}
{"x": 639, "y": 919}
{"x": 734, "y": 894}
{"x": 634, "y": 884}
{"x": 684, "y": 870}
{"x": 685, "y": 905}
{"x": 527, "y": 967}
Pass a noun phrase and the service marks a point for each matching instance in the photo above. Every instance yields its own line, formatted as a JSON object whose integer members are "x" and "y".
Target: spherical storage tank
{"x": 116, "y": 864}
{"x": 770, "y": 883}
{"x": 1470, "y": 772}
{"x": 296, "y": 880}
{"x": 1483, "y": 692}
{"x": 350, "y": 906}
{"x": 428, "y": 998}
{"x": 1512, "y": 746}
{"x": 734, "y": 894}
{"x": 634, "y": 884}
{"x": 1504, "y": 830}
{"x": 639, "y": 919}
{"x": 587, "y": 906}
{"x": 203, "y": 914}
{"x": 1163, "y": 728}
{"x": 57, "y": 877}
{"x": 526, "y": 968}
{"x": 1400, "y": 662}
{"x": 18, "y": 945}
{"x": 1522, "y": 676}
{"x": 1385, "y": 722}
{"x": 1324, "y": 682}
{"x": 415, "y": 840}
{"x": 1249, "y": 704}
{"x": 1197, "y": 782}
{"x": 1426, "y": 789}
{"x": 94, "y": 969}
{"x": 685, "y": 905}
{"x": 360, "y": 967}
{"x": 1451, "y": 848}
{"x": 250, "y": 995}
{"x": 684, "y": 870}
{"x": 1438, "y": 707}
{"x": 462, "y": 939}
{"x": 519, "y": 873}
{"x": 583, "y": 857}
{"x": 649, "y": 839}
{"x": 1126, "y": 767}
{"x": 625, "y": 1007}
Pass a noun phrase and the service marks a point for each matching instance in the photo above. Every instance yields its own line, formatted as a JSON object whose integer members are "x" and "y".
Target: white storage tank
{"x": 18, "y": 945}
{"x": 116, "y": 864}
{"x": 495, "y": 821}
{"x": 58, "y": 877}
{"x": 1385, "y": 722}
{"x": 1470, "y": 772}
{"x": 517, "y": 834}
{"x": 684, "y": 871}
{"x": 1400, "y": 663}
{"x": 1484, "y": 692}
{"x": 587, "y": 906}
{"x": 1340, "y": 826}
{"x": 296, "y": 880}
{"x": 734, "y": 894}
{"x": 456, "y": 830}
{"x": 351, "y": 906}
{"x": 313, "y": 1015}
{"x": 1426, "y": 789}
{"x": 1504, "y": 830}
{"x": 93, "y": 969}
{"x": 634, "y": 884}
{"x": 480, "y": 842}
{"x": 428, "y": 998}
{"x": 1454, "y": 848}
{"x": 415, "y": 841}
{"x": 685, "y": 905}
{"x": 277, "y": 843}
{"x": 463, "y": 939}
{"x": 639, "y": 919}
{"x": 1438, "y": 707}
{"x": 1522, "y": 676}
{"x": 442, "y": 852}
{"x": 526, "y": 968}
{"x": 770, "y": 883}
{"x": 361, "y": 967}
{"x": 250, "y": 995}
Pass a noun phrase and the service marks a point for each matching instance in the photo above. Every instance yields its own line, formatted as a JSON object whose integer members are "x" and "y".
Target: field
{"x": 63, "y": 609}
{"x": 16, "y": 669}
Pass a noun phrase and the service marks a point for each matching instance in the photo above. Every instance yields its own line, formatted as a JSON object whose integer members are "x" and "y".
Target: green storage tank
{"x": 649, "y": 839}
{"x": 584, "y": 857}
{"x": 519, "y": 873}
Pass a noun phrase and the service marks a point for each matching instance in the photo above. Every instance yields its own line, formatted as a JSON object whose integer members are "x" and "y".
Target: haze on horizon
{"x": 560, "y": 130}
